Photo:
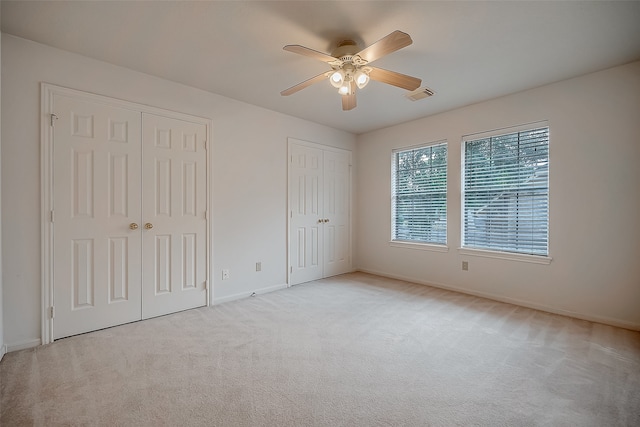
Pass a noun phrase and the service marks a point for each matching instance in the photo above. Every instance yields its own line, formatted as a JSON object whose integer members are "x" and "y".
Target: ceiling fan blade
{"x": 394, "y": 41}
{"x": 396, "y": 79}
{"x": 349, "y": 101}
{"x": 304, "y": 84}
{"x": 301, "y": 50}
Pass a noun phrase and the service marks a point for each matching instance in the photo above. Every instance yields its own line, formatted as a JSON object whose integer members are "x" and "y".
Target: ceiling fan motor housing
{"x": 347, "y": 60}
{"x": 345, "y": 47}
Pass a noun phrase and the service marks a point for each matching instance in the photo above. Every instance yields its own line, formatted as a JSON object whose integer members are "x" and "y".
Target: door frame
{"x": 47, "y": 121}
{"x": 290, "y": 142}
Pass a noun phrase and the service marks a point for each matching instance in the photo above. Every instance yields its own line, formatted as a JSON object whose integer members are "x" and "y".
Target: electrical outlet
{"x": 225, "y": 274}
{"x": 258, "y": 266}
{"x": 465, "y": 265}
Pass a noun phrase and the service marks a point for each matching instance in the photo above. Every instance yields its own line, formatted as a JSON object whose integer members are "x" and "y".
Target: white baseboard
{"x": 241, "y": 295}
{"x": 3, "y": 351}
{"x": 541, "y": 307}
{"x": 23, "y": 345}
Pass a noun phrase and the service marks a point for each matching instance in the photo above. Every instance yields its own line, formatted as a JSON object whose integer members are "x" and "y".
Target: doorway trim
{"x": 47, "y": 122}
{"x": 290, "y": 142}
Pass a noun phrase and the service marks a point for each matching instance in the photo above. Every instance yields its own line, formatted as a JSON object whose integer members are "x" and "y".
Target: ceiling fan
{"x": 350, "y": 67}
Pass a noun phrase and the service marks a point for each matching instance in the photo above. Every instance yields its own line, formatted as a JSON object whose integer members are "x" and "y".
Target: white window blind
{"x": 506, "y": 192}
{"x": 419, "y": 194}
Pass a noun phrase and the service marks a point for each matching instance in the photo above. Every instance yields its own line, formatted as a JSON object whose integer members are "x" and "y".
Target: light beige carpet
{"x": 354, "y": 350}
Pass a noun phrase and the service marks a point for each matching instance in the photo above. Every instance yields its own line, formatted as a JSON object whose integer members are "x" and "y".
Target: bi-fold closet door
{"x": 319, "y": 211}
{"x": 129, "y": 215}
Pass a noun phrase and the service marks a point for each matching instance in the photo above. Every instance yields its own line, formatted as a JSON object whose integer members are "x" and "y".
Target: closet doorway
{"x": 319, "y": 211}
{"x": 125, "y": 224}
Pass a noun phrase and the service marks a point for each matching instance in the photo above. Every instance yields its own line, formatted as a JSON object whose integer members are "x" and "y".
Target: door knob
{"x": 148, "y": 226}
{"x": 133, "y": 226}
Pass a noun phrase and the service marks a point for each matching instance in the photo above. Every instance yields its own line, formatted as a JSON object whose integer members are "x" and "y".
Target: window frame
{"x": 419, "y": 244}
{"x": 496, "y": 253}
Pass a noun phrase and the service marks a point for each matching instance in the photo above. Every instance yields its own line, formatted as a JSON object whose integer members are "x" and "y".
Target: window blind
{"x": 419, "y": 194}
{"x": 506, "y": 192}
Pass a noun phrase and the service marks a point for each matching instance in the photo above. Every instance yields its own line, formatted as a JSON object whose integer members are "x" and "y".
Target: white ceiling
{"x": 465, "y": 52}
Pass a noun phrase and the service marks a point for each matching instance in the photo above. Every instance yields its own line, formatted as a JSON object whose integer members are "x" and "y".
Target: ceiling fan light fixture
{"x": 337, "y": 78}
{"x": 361, "y": 78}
{"x": 347, "y": 88}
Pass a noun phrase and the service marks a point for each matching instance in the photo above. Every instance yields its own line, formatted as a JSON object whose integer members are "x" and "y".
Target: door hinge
{"x": 52, "y": 312}
{"x": 53, "y": 117}
{"x": 291, "y": 270}
{"x": 206, "y": 144}
{"x": 51, "y": 216}
{"x": 206, "y": 285}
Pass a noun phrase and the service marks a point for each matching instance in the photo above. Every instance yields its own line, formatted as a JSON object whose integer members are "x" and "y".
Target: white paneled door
{"x": 174, "y": 211}
{"x": 319, "y": 212}
{"x": 336, "y": 205}
{"x": 129, "y": 215}
{"x": 96, "y": 252}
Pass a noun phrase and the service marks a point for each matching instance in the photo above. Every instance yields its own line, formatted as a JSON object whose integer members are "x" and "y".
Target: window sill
{"x": 419, "y": 246}
{"x": 534, "y": 259}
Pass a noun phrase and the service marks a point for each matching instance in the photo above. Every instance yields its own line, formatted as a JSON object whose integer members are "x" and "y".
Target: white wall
{"x": 249, "y": 173}
{"x": 594, "y": 199}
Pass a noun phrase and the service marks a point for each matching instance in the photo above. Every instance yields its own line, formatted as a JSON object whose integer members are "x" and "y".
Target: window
{"x": 419, "y": 194}
{"x": 506, "y": 191}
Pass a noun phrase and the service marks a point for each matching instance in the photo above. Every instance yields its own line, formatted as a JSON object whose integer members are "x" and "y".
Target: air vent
{"x": 420, "y": 93}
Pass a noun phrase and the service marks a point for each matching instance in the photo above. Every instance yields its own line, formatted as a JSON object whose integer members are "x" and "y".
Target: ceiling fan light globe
{"x": 337, "y": 79}
{"x": 362, "y": 79}
{"x": 344, "y": 90}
